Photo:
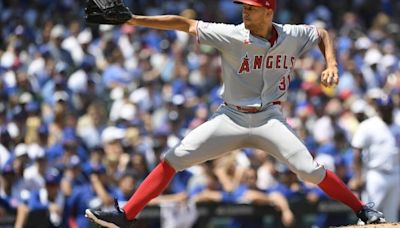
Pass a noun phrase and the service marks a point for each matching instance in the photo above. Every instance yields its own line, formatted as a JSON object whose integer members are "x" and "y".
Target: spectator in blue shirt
{"x": 73, "y": 176}
{"x": 248, "y": 192}
{"x": 48, "y": 202}
{"x": 115, "y": 74}
{"x": 95, "y": 194}
{"x": 289, "y": 185}
{"x": 209, "y": 191}
{"x": 9, "y": 194}
{"x": 126, "y": 186}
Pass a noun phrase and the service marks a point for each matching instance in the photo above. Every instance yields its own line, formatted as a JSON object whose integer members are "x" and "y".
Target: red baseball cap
{"x": 270, "y": 4}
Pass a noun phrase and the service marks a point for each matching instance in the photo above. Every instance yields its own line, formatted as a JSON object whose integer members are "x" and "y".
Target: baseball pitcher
{"x": 258, "y": 57}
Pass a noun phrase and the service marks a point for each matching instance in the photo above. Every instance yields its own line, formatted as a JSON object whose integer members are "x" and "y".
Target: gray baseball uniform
{"x": 256, "y": 74}
{"x": 381, "y": 159}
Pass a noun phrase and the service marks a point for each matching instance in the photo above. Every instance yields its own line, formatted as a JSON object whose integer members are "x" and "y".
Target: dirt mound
{"x": 387, "y": 225}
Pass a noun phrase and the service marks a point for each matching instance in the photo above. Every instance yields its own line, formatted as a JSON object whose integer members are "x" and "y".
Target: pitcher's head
{"x": 269, "y": 4}
{"x": 257, "y": 13}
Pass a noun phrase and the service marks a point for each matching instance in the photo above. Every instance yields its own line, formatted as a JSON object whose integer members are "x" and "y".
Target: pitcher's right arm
{"x": 165, "y": 22}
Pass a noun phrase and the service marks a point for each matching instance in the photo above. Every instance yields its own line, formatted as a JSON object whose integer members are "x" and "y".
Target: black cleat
{"x": 367, "y": 215}
{"x": 109, "y": 219}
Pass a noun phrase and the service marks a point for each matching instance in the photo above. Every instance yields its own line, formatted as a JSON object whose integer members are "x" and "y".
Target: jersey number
{"x": 284, "y": 83}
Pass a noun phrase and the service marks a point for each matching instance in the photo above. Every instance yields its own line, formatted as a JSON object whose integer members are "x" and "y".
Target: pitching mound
{"x": 387, "y": 225}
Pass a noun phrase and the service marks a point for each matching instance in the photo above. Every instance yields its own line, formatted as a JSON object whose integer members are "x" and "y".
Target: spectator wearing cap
{"x": 45, "y": 206}
{"x": 85, "y": 38}
{"x": 372, "y": 76}
{"x": 95, "y": 194}
{"x": 71, "y": 43}
{"x": 359, "y": 108}
{"x": 21, "y": 158}
{"x": 126, "y": 186}
{"x": 57, "y": 36}
{"x": 16, "y": 190}
{"x": 27, "y": 181}
{"x": 116, "y": 156}
{"x": 72, "y": 175}
{"x": 111, "y": 138}
{"x": 54, "y": 115}
{"x": 57, "y": 82}
{"x": 35, "y": 173}
{"x": 69, "y": 145}
{"x": 85, "y": 85}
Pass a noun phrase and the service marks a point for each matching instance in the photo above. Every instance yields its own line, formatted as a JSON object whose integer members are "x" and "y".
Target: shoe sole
{"x": 93, "y": 218}
{"x": 375, "y": 221}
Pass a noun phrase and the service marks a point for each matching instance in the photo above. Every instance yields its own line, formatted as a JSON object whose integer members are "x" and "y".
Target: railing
{"x": 218, "y": 215}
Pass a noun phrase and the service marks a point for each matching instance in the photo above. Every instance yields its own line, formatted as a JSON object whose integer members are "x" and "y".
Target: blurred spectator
{"x": 47, "y": 204}
{"x": 228, "y": 173}
{"x": 95, "y": 194}
{"x": 248, "y": 192}
{"x": 126, "y": 186}
{"x": 76, "y": 96}
{"x": 91, "y": 124}
{"x": 57, "y": 36}
{"x": 9, "y": 190}
{"x": 73, "y": 176}
{"x": 209, "y": 191}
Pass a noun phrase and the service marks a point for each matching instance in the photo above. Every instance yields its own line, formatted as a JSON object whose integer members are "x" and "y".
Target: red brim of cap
{"x": 250, "y": 2}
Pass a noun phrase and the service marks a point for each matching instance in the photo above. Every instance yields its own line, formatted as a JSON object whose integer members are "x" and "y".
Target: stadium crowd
{"x": 86, "y": 111}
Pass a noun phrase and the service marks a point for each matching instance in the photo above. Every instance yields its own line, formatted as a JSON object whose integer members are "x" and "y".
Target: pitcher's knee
{"x": 175, "y": 162}
{"x": 306, "y": 168}
{"x": 312, "y": 175}
{"x": 178, "y": 159}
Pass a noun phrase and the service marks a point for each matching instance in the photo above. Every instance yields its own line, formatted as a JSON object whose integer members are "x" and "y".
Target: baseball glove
{"x": 112, "y": 12}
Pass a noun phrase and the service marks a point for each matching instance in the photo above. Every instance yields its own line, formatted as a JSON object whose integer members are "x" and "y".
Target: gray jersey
{"x": 254, "y": 72}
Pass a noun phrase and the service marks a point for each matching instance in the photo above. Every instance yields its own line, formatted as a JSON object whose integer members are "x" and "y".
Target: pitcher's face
{"x": 255, "y": 16}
